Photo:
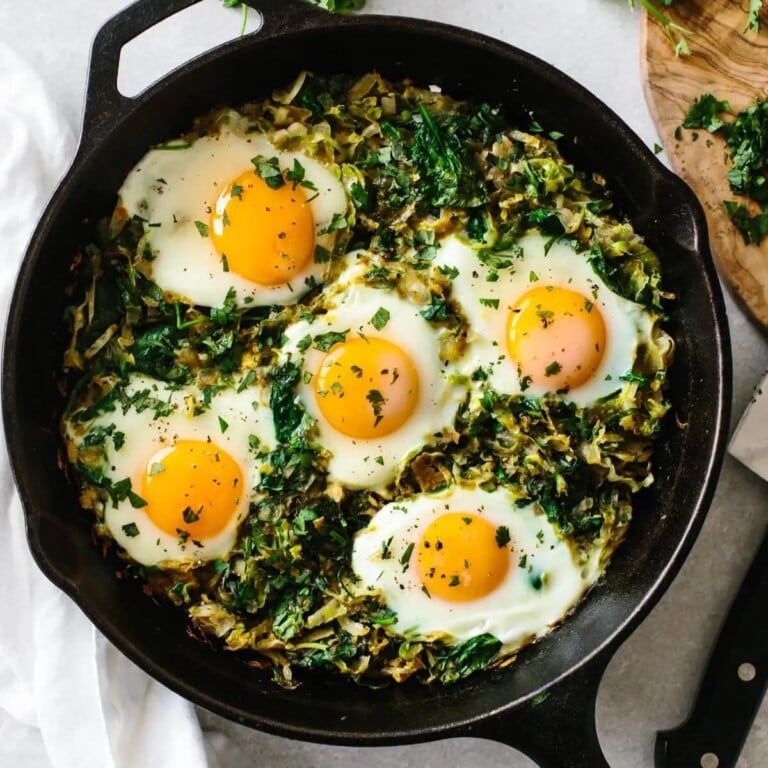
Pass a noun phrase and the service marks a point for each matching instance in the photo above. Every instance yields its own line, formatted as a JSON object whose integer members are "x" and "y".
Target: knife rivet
{"x": 710, "y": 760}
{"x": 746, "y": 672}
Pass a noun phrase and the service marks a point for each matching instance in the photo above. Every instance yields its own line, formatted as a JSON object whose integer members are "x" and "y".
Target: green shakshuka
{"x": 363, "y": 379}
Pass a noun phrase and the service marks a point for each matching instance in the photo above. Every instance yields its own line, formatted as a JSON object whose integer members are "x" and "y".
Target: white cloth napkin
{"x": 67, "y": 697}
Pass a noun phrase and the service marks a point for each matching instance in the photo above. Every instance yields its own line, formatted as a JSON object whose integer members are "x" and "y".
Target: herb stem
{"x": 245, "y": 19}
{"x": 181, "y": 325}
{"x": 675, "y": 32}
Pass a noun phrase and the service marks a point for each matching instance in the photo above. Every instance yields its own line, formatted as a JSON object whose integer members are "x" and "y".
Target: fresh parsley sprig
{"x": 677, "y": 34}
{"x": 753, "y": 15}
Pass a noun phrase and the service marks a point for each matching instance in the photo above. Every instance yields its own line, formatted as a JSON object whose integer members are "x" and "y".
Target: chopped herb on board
{"x": 705, "y": 113}
{"x": 746, "y": 137}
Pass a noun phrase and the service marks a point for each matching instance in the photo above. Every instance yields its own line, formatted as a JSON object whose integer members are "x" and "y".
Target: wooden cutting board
{"x": 730, "y": 65}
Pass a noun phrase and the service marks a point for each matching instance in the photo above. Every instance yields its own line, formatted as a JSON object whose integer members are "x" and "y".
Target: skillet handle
{"x": 556, "y": 730}
{"x": 104, "y": 103}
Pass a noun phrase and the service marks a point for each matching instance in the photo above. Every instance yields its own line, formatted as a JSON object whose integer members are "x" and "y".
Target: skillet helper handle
{"x": 104, "y": 103}
{"x": 557, "y": 730}
{"x": 733, "y": 685}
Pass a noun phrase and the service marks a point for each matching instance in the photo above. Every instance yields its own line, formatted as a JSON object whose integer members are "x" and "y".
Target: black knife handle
{"x": 733, "y": 685}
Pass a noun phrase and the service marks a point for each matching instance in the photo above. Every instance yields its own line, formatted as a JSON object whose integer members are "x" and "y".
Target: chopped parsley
{"x": 377, "y": 400}
{"x": 131, "y": 530}
{"x": 322, "y": 255}
{"x": 269, "y": 170}
{"x": 324, "y": 341}
{"x": 746, "y": 137}
{"x": 405, "y": 558}
{"x": 705, "y": 113}
{"x": 450, "y": 272}
{"x": 502, "y": 536}
{"x": 380, "y": 318}
{"x": 296, "y": 176}
{"x": 437, "y": 311}
{"x": 304, "y": 343}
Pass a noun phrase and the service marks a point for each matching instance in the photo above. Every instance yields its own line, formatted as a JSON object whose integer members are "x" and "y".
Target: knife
{"x": 733, "y": 684}
{"x": 736, "y": 677}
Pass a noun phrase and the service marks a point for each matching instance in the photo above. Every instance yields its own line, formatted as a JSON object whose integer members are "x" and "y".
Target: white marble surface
{"x": 650, "y": 682}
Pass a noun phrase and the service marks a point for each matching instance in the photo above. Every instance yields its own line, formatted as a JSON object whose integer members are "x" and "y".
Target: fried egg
{"x": 372, "y": 380}
{"x": 467, "y": 562}
{"x": 187, "y": 465}
{"x": 541, "y": 321}
{"x": 229, "y": 210}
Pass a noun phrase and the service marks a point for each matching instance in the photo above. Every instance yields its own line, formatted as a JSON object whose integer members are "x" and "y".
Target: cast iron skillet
{"x": 543, "y": 705}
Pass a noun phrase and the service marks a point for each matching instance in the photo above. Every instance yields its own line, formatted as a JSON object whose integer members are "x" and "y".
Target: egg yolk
{"x": 192, "y": 487}
{"x": 366, "y": 387}
{"x": 556, "y": 337}
{"x": 459, "y": 558}
{"x": 263, "y": 234}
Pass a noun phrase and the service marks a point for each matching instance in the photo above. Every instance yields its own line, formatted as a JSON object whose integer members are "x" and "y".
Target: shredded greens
{"x": 417, "y": 165}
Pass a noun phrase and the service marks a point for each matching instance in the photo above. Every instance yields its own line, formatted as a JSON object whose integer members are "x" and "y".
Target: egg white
{"x": 374, "y": 463}
{"x": 516, "y": 612}
{"x": 173, "y": 189}
{"x": 478, "y": 286}
{"x": 227, "y": 424}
